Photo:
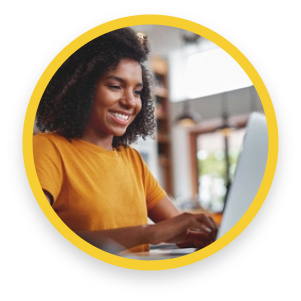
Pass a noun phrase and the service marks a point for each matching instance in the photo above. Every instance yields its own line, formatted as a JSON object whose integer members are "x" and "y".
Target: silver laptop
{"x": 249, "y": 172}
{"x": 248, "y": 176}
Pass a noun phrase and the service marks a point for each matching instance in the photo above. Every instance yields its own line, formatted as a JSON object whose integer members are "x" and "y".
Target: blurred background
{"x": 203, "y": 100}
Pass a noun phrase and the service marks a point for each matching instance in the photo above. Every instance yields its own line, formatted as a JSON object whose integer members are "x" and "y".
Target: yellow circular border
{"x": 272, "y": 132}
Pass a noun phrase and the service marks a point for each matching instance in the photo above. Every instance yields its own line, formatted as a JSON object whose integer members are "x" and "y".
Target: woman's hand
{"x": 186, "y": 230}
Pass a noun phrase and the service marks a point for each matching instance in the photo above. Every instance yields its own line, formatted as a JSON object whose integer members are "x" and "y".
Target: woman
{"x": 96, "y": 104}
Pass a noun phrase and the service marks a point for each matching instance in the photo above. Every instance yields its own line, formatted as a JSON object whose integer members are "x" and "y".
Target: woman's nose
{"x": 128, "y": 99}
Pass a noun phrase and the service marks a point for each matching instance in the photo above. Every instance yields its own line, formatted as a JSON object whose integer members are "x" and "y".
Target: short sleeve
{"x": 48, "y": 164}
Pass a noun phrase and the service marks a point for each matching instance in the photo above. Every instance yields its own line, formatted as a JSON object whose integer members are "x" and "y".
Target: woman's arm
{"x": 116, "y": 239}
{"x": 163, "y": 210}
{"x": 197, "y": 229}
{"x": 170, "y": 226}
{"x": 195, "y": 235}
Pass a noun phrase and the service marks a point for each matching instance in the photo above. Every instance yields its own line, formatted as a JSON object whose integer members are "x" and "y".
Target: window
{"x": 205, "y": 73}
{"x": 213, "y": 72}
{"x": 210, "y": 178}
{"x": 212, "y": 171}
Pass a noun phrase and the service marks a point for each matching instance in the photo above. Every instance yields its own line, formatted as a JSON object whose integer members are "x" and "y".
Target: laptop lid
{"x": 249, "y": 172}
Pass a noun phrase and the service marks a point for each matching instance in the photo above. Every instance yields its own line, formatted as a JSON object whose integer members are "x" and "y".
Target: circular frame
{"x": 271, "y": 160}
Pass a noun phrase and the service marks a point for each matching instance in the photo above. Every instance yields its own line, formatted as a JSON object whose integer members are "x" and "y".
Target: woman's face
{"x": 117, "y": 100}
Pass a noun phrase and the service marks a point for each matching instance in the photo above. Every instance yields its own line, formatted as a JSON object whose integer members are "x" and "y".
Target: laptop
{"x": 247, "y": 179}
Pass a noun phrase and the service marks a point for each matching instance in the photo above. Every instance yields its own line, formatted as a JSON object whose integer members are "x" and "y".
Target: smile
{"x": 120, "y": 116}
{"x": 123, "y": 118}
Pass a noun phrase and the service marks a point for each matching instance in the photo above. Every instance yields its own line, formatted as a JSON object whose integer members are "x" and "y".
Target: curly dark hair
{"x": 66, "y": 104}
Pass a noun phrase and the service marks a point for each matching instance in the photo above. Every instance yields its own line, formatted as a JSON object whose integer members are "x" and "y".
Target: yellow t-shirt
{"x": 95, "y": 189}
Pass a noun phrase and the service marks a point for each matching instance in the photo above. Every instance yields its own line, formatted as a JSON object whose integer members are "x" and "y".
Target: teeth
{"x": 120, "y": 116}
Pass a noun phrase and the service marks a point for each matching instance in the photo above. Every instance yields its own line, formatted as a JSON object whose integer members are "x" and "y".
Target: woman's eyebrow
{"x": 121, "y": 80}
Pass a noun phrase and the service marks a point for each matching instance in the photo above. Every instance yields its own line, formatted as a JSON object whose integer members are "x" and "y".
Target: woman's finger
{"x": 199, "y": 239}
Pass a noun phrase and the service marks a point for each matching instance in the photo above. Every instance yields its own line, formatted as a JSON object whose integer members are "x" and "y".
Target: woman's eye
{"x": 115, "y": 87}
{"x": 137, "y": 92}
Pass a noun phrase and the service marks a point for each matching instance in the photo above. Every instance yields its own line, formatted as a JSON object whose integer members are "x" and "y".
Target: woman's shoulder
{"x": 47, "y": 139}
{"x": 131, "y": 153}
{"x": 129, "y": 149}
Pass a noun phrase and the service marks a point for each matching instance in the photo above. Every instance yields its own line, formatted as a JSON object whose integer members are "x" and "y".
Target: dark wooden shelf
{"x": 160, "y": 69}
